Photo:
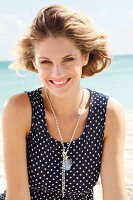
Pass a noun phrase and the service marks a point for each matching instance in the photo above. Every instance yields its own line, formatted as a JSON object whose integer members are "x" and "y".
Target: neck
{"x": 65, "y": 107}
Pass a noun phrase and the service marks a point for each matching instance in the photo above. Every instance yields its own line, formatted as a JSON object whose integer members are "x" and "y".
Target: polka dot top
{"x": 44, "y": 153}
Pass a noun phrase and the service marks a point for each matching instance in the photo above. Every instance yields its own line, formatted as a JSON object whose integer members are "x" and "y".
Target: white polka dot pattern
{"x": 44, "y": 153}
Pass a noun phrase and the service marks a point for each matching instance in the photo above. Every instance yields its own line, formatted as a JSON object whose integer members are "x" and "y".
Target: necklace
{"x": 66, "y": 162}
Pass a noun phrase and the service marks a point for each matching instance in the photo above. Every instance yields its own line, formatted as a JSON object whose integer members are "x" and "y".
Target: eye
{"x": 68, "y": 59}
{"x": 45, "y": 62}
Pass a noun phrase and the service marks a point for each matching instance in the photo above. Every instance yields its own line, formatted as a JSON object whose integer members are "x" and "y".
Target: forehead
{"x": 56, "y": 46}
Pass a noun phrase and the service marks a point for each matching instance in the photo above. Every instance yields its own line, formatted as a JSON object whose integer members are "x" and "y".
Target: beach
{"x": 128, "y": 162}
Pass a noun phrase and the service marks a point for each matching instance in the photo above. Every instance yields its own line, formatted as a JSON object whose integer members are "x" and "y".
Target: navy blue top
{"x": 44, "y": 153}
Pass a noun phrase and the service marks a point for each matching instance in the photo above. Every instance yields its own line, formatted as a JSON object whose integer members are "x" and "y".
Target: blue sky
{"x": 114, "y": 17}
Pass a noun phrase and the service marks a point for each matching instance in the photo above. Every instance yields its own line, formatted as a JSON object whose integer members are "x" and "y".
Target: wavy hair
{"x": 58, "y": 20}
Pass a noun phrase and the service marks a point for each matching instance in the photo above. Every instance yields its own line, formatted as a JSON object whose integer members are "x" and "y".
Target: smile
{"x": 60, "y": 83}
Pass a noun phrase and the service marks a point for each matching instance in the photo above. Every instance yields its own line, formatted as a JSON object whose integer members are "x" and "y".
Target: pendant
{"x": 67, "y": 163}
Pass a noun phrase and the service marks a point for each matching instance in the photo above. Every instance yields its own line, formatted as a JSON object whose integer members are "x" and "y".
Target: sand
{"x": 128, "y": 162}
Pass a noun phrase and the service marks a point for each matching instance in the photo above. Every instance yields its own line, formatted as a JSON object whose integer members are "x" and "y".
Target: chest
{"x": 67, "y": 127}
{"x": 45, "y": 162}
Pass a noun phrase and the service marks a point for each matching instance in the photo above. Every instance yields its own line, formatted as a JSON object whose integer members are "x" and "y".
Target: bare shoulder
{"x": 115, "y": 116}
{"x": 17, "y": 109}
{"x": 18, "y": 100}
{"x": 114, "y": 108}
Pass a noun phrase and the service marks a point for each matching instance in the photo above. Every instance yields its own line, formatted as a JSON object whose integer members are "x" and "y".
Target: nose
{"x": 58, "y": 71}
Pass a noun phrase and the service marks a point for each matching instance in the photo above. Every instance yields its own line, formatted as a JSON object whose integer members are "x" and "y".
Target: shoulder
{"x": 17, "y": 103}
{"x": 115, "y": 117}
{"x": 114, "y": 107}
{"x": 22, "y": 100}
{"x": 17, "y": 109}
{"x": 115, "y": 110}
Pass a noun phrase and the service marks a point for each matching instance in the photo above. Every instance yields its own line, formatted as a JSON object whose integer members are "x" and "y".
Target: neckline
{"x": 86, "y": 125}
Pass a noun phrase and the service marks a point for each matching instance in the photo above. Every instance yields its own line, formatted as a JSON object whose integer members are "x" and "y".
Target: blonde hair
{"x": 60, "y": 21}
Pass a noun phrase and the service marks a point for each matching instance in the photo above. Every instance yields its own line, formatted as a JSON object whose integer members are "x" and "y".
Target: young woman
{"x": 60, "y": 137}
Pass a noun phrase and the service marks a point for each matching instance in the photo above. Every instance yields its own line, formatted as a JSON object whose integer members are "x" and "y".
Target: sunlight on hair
{"x": 17, "y": 70}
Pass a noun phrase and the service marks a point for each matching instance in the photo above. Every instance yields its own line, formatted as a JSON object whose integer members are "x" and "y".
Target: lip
{"x": 58, "y": 81}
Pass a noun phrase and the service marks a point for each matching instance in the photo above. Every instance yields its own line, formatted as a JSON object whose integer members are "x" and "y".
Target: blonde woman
{"x": 60, "y": 137}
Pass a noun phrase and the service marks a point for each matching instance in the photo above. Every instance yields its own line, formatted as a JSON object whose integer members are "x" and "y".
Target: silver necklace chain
{"x": 66, "y": 160}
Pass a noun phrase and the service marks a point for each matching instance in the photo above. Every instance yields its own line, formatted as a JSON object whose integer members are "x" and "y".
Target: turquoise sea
{"x": 116, "y": 81}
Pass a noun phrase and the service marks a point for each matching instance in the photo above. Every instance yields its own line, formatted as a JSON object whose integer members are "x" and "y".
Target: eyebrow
{"x": 42, "y": 57}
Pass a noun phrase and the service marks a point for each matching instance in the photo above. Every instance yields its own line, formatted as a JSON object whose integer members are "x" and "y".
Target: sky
{"x": 113, "y": 17}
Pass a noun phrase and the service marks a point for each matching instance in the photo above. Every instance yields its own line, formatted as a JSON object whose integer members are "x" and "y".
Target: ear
{"x": 85, "y": 59}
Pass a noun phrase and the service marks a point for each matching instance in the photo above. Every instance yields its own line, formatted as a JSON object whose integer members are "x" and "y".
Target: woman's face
{"x": 59, "y": 63}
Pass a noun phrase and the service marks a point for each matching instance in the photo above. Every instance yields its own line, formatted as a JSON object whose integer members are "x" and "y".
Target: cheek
{"x": 77, "y": 69}
{"x": 42, "y": 74}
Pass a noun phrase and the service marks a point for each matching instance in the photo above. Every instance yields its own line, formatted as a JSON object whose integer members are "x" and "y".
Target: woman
{"x": 60, "y": 137}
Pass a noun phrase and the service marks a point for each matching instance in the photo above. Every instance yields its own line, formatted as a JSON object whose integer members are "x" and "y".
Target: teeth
{"x": 59, "y": 83}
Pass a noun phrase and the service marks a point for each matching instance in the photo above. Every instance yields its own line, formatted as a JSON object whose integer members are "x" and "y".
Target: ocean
{"x": 115, "y": 81}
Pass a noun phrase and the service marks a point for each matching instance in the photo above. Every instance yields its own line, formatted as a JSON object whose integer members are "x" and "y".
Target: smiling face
{"x": 59, "y": 63}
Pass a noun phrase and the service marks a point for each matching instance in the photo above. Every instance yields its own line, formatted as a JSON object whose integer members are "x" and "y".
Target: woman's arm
{"x": 15, "y": 125}
{"x": 112, "y": 168}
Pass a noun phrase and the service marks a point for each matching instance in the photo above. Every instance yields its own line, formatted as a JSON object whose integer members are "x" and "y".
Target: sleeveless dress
{"x": 44, "y": 153}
